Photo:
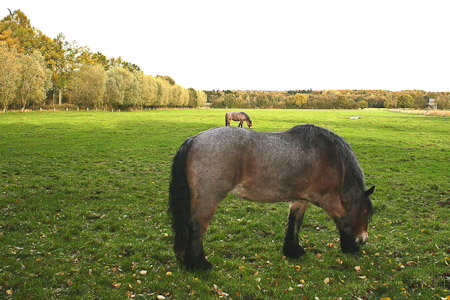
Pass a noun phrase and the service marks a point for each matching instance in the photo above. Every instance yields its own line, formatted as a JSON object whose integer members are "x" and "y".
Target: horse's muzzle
{"x": 362, "y": 238}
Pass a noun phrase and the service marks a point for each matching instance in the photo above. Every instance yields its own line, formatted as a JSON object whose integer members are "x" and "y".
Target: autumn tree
{"x": 9, "y": 75}
{"x": 300, "y": 99}
{"x": 34, "y": 79}
{"x": 163, "y": 91}
{"x": 201, "y": 98}
{"x": 149, "y": 89}
{"x": 184, "y": 97}
{"x": 117, "y": 85}
{"x": 87, "y": 86}
{"x": 16, "y": 30}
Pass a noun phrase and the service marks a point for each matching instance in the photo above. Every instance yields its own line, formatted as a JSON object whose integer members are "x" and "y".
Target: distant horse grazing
{"x": 306, "y": 164}
{"x": 238, "y": 116}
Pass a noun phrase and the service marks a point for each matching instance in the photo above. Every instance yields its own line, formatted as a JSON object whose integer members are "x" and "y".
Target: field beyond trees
{"x": 83, "y": 211}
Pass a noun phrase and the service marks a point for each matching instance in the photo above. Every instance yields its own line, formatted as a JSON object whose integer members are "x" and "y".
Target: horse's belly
{"x": 264, "y": 195}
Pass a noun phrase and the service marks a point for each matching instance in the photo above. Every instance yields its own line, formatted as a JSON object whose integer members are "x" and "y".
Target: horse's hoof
{"x": 349, "y": 246}
{"x": 293, "y": 250}
{"x": 199, "y": 264}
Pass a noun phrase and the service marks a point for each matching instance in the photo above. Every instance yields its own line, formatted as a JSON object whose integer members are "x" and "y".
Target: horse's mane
{"x": 248, "y": 118}
{"x": 354, "y": 174}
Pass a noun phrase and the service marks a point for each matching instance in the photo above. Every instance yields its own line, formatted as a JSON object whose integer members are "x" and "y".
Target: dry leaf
{"x": 169, "y": 274}
{"x": 326, "y": 280}
{"x": 143, "y": 272}
{"x": 116, "y": 285}
{"x": 160, "y": 297}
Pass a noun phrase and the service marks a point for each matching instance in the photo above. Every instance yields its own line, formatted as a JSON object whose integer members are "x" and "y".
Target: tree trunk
{"x": 60, "y": 96}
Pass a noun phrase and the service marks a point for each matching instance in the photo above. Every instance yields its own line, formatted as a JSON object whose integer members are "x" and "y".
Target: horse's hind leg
{"x": 201, "y": 217}
{"x": 291, "y": 247}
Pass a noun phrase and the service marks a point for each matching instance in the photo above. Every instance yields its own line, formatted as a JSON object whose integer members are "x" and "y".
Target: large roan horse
{"x": 238, "y": 116}
{"x": 306, "y": 164}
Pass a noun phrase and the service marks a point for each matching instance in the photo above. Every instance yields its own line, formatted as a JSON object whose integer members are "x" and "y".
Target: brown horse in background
{"x": 306, "y": 164}
{"x": 238, "y": 116}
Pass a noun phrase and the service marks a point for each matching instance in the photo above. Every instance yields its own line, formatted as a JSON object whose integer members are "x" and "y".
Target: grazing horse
{"x": 238, "y": 116}
{"x": 306, "y": 164}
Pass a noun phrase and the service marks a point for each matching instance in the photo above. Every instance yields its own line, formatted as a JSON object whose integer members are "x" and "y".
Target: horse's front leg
{"x": 240, "y": 124}
{"x": 291, "y": 247}
{"x": 334, "y": 208}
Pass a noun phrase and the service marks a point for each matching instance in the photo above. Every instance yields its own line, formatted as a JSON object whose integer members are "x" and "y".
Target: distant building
{"x": 431, "y": 103}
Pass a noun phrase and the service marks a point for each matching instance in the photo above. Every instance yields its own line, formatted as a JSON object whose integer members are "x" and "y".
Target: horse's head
{"x": 249, "y": 122}
{"x": 361, "y": 220}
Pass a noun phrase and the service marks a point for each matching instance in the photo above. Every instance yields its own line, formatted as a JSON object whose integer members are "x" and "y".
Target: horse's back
{"x": 265, "y": 167}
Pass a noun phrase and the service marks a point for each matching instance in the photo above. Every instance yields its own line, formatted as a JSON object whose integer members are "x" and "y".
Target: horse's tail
{"x": 226, "y": 119}
{"x": 180, "y": 201}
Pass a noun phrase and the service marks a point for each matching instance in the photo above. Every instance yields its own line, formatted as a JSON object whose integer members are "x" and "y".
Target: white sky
{"x": 263, "y": 45}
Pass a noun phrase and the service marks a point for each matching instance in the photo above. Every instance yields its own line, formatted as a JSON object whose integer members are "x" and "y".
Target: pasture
{"x": 83, "y": 211}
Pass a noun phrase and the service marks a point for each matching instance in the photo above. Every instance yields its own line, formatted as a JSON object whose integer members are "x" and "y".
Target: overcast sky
{"x": 263, "y": 45}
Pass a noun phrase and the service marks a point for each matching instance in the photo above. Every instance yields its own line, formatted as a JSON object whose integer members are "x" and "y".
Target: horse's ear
{"x": 369, "y": 191}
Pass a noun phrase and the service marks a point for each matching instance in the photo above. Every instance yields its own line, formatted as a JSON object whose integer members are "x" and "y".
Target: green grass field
{"x": 83, "y": 211}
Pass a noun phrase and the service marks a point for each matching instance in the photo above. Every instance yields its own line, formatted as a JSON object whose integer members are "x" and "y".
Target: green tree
{"x": 192, "y": 98}
{"x": 229, "y": 100}
{"x": 9, "y": 75}
{"x": 405, "y": 101}
{"x": 363, "y": 104}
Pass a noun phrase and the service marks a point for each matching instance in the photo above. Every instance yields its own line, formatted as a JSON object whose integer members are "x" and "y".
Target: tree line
{"x": 330, "y": 99}
{"x": 36, "y": 70}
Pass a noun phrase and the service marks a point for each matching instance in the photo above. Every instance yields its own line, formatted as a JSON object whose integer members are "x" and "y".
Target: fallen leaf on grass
{"x": 116, "y": 285}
